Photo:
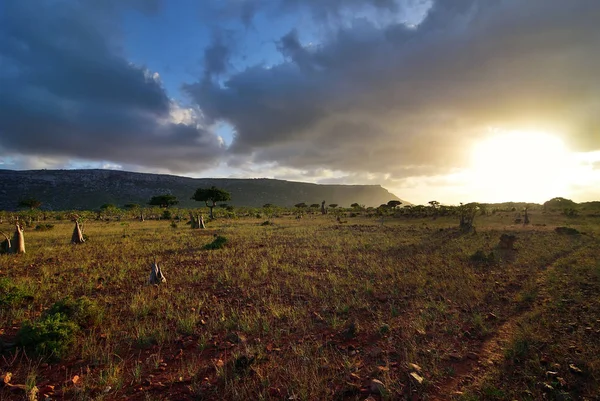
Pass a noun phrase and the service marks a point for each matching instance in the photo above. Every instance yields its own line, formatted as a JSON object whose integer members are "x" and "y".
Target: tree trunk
{"x": 18, "y": 242}
{"x": 323, "y": 209}
{"x": 77, "y": 237}
{"x": 201, "y": 222}
{"x": 156, "y": 275}
{"x": 141, "y": 216}
{"x": 526, "y": 220}
{"x": 5, "y": 245}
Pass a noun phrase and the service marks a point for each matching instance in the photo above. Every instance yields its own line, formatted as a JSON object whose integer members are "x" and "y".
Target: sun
{"x": 525, "y": 166}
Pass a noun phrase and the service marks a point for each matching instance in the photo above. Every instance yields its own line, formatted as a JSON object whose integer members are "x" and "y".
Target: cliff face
{"x": 89, "y": 189}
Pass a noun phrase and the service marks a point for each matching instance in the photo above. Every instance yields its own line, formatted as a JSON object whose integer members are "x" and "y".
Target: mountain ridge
{"x": 90, "y": 188}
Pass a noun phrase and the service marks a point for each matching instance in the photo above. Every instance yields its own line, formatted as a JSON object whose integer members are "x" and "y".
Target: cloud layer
{"x": 67, "y": 91}
{"x": 409, "y": 100}
{"x": 384, "y": 88}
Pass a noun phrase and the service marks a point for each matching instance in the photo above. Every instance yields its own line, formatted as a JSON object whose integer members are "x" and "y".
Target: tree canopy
{"x": 165, "y": 200}
{"x": 394, "y": 204}
{"x": 31, "y": 203}
{"x": 210, "y": 196}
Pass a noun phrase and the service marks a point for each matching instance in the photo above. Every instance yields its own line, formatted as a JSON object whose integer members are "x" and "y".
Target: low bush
{"x": 218, "y": 243}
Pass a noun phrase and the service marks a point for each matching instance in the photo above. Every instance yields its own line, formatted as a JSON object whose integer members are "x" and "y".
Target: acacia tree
{"x": 210, "y": 197}
{"x": 165, "y": 200}
{"x": 31, "y": 203}
{"x": 394, "y": 204}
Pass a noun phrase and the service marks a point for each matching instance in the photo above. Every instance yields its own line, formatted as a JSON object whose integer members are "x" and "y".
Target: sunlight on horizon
{"x": 521, "y": 166}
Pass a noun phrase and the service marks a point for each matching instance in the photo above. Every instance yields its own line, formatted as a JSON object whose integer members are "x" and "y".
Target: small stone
{"x": 491, "y": 316}
{"x": 414, "y": 367}
{"x": 416, "y": 377}
{"x": 546, "y": 387}
{"x": 473, "y": 356}
{"x": 551, "y": 374}
{"x": 377, "y": 387}
{"x": 455, "y": 356}
{"x": 574, "y": 369}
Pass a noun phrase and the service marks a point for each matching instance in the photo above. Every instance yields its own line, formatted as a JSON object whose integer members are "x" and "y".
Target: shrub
{"x": 82, "y": 311}
{"x": 12, "y": 294}
{"x": 480, "y": 258}
{"x": 52, "y": 335}
{"x": 44, "y": 227}
{"x": 566, "y": 231}
{"x": 218, "y": 243}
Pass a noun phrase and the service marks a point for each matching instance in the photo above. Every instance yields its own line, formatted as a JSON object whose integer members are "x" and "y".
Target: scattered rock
{"x": 574, "y": 369}
{"x": 455, "y": 356}
{"x": 416, "y": 377}
{"x": 546, "y": 387}
{"x": 377, "y": 387}
{"x": 473, "y": 356}
{"x": 414, "y": 367}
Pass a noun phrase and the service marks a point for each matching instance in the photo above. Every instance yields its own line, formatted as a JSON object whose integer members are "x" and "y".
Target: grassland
{"x": 306, "y": 309}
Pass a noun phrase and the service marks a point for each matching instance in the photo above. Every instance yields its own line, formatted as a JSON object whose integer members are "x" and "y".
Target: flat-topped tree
{"x": 393, "y": 204}
{"x": 165, "y": 200}
{"x": 210, "y": 196}
{"x": 31, "y": 203}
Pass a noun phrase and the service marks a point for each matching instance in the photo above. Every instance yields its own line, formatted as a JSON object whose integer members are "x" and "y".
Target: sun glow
{"x": 521, "y": 166}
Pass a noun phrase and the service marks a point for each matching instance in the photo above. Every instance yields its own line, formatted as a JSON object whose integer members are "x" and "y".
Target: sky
{"x": 447, "y": 100}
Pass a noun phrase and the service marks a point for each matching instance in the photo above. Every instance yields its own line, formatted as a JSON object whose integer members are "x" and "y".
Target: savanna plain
{"x": 359, "y": 307}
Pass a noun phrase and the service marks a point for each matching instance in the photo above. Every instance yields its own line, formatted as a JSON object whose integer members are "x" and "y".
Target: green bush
{"x": 12, "y": 294}
{"x": 51, "y": 336}
{"x": 44, "y": 227}
{"x": 83, "y": 311}
{"x": 218, "y": 243}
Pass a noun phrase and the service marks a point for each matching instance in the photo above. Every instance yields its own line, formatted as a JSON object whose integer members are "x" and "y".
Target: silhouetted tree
{"x": 31, "y": 203}
{"x": 394, "y": 204}
{"x": 165, "y": 200}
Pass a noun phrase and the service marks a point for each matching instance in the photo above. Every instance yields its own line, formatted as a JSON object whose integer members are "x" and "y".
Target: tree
{"x": 394, "y": 204}
{"x": 333, "y": 205}
{"x": 165, "y": 200}
{"x": 210, "y": 196}
{"x": 31, "y": 203}
{"x": 434, "y": 204}
{"x": 300, "y": 205}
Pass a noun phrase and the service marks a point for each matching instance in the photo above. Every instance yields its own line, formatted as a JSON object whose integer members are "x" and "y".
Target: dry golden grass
{"x": 310, "y": 309}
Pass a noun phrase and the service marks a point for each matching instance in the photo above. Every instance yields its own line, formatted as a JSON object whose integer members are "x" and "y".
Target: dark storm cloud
{"x": 66, "y": 91}
{"x": 398, "y": 99}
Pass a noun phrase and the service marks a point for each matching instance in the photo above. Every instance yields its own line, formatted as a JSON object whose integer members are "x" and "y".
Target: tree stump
{"x": 18, "y": 242}
{"x": 77, "y": 237}
{"x": 197, "y": 221}
{"x": 156, "y": 275}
